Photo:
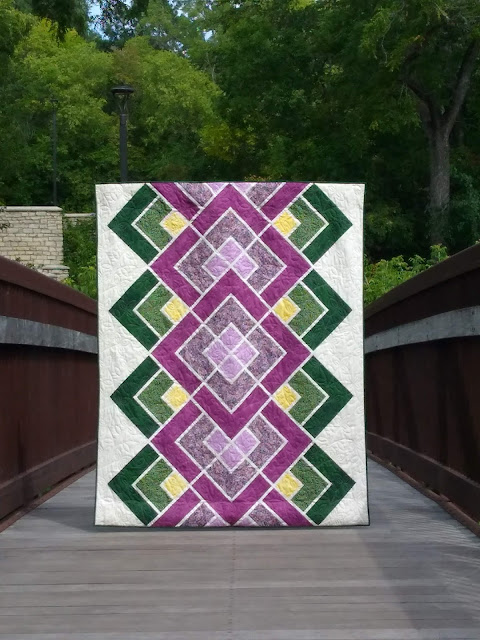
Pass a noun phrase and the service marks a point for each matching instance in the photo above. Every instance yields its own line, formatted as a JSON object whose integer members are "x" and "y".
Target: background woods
{"x": 378, "y": 91}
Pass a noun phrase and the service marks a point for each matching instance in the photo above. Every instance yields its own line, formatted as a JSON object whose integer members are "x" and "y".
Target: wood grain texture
{"x": 414, "y": 574}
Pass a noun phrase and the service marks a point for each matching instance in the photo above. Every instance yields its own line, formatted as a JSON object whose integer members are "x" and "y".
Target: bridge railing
{"x": 422, "y": 381}
{"x": 48, "y": 383}
{"x": 422, "y": 345}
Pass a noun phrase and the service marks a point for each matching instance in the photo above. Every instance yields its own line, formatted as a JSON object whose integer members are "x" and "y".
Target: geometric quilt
{"x": 231, "y": 355}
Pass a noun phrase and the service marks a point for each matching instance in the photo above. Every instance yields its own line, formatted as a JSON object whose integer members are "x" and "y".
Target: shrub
{"x": 80, "y": 247}
{"x": 380, "y": 277}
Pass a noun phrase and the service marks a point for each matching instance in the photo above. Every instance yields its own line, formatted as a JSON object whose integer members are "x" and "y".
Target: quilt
{"x": 231, "y": 355}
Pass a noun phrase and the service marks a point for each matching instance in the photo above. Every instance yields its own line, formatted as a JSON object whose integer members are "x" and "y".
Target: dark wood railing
{"x": 48, "y": 384}
{"x": 422, "y": 381}
{"x": 422, "y": 344}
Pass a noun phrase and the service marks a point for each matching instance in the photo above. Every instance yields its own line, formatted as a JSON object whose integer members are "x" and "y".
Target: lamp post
{"x": 123, "y": 93}
{"x": 54, "y": 102}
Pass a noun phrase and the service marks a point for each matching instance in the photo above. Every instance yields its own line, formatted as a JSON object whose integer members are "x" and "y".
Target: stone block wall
{"x": 34, "y": 236}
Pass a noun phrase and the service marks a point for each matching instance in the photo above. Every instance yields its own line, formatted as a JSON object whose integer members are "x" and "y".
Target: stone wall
{"x": 34, "y": 236}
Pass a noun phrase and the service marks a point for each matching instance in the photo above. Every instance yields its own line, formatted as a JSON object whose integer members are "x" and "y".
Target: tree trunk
{"x": 438, "y": 125}
{"x": 439, "y": 201}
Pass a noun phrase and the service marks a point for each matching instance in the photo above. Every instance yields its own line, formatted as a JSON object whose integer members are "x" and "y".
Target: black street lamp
{"x": 123, "y": 93}
{"x": 54, "y": 102}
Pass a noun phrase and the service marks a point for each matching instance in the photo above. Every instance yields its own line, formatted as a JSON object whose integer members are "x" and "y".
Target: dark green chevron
{"x": 122, "y": 484}
{"x": 124, "y": 397}
{"x": 122, "y": 223}
{"x": 337, "y": 310}
{"x": 338, "y": 396}
{"x": 123, "y": 310}
{"x": 341, "y": 483}
{"x": 338, "y": 223}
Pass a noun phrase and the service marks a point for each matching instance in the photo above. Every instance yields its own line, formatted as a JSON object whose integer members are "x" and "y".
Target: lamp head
{"x": 123, "y": 93}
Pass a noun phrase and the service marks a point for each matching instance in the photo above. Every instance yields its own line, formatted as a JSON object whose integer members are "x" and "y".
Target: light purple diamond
{"x": 246, "y": 441}
{"x": 232, "y": 456}
{"x": 217, "y": 440}
{"x": 231, "y": 337}
{"x": 216, "y": 266}
{"x": 216, "y": 352}
{"x": 245, "y": 352}
{"x": 230, "y": 250}
{"x": 230, "y": 368}
{"x": 245, "y": 266}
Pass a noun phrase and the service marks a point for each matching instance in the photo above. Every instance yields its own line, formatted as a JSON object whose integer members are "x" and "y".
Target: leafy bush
{"x": 86, "y": 281}
{"x": 380, "y": 277}
{"x": 80, "y": 247}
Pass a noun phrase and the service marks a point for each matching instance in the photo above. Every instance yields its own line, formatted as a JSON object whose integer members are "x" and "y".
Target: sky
{"x": 94, "y": 10}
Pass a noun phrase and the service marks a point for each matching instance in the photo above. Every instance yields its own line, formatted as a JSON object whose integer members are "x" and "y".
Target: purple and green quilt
{"x": 231, "y": 355}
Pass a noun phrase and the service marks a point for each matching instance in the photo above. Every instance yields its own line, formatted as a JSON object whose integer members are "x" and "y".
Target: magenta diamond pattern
{"x": 224, "y": 384}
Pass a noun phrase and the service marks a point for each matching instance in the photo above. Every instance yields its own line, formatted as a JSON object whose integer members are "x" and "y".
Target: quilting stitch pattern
{"x": 230, "y": 396}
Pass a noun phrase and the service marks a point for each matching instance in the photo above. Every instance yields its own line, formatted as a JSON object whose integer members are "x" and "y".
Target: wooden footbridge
{"x": 414, "y": 574}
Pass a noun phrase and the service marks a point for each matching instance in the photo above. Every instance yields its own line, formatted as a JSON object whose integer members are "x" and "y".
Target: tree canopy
{"x": 384, "y": 92}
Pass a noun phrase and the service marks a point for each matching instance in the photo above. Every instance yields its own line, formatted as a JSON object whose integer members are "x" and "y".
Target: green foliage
{"x": 174, "y": 104}
{"x": 79, "y": 249}
{"x": 384, "y": 275}
{"x": 228, "y": 89}
{"x": 170, "y": 28}
{"x": 78, "y": 76}
{"x": 318, "y": 90}
{"x": 86, "y": 281}
{"x": 63, "y": 14}
{"x": 119, "y": 19}
{"x": 14, "y": 25}
{"x": 464, "y": 227}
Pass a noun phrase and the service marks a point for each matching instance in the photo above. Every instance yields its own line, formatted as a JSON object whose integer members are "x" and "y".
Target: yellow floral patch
{"x": 174, "y": 485}
{"x": 175, "y": 309}
{"x": 174, "y": 223}
{"x": 285, "y": 309}
{"x": 288, "y": 485}
{"x": 285, "y": 396}
{"x": 286, "y": 223}
{"x": 175, "y": 396}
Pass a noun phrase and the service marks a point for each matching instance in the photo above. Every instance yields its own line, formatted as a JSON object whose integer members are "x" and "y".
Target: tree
{"x": 174, "y": 103}
{"x": 432, "y": 47}
{"x": 79, "y": 76}
{"x": 324, "y": 90}
{"x": 63, "y": 14}
{"x": 170, "y": 27}
{"x": 377, "y": 91}
{"x": 119, "y": 19}
{"x": 14, "y": 25}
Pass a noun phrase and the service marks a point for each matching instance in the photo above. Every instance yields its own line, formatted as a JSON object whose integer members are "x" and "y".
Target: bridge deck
{"x": 413, "y": 575}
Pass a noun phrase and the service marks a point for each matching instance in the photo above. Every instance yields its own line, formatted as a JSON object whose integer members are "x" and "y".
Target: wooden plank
{"x": 414, "y": 574}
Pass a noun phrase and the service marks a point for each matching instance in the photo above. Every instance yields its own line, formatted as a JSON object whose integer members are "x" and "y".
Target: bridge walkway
{"x": 414, "y": 574}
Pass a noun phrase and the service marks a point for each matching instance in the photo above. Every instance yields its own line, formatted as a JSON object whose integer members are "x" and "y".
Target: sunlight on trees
{"x": 384, "y": 92}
